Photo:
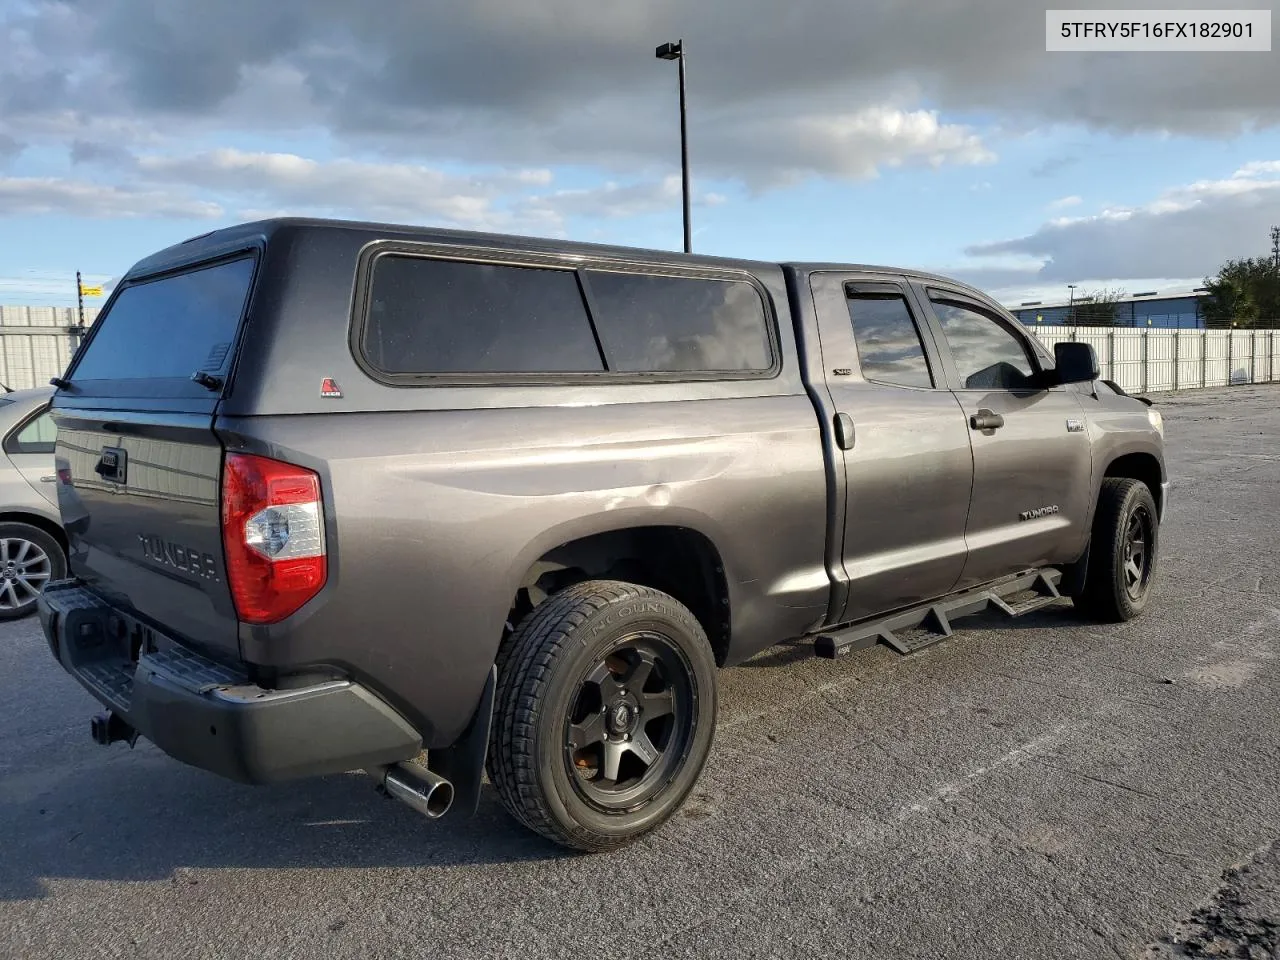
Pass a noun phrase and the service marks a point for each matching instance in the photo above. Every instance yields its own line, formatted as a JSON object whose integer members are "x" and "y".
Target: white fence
{"x": 36, "y": 343}
{"x": 1148, "y": 361}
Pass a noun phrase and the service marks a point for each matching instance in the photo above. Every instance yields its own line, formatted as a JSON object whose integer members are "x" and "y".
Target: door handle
{"x": 111, "y": 465}
{"x": 986, "y": 420}
{"x": 844, "y": 431}
{"x": 48, "y": 479}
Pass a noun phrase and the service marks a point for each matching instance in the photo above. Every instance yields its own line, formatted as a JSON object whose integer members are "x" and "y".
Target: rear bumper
{"x": 210, "y": 715}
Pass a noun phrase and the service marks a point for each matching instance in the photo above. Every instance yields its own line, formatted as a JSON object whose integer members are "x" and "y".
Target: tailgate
{"x": 138, "y": 462}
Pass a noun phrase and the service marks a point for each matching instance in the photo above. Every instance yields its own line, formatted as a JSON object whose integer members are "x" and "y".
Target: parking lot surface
{"x": 1040, "y": 787}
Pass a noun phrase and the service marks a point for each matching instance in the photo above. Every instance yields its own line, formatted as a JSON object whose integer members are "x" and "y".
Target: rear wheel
{"x": 605, "y": 714}
{"x": 29, "y": 560}
{"x": 1122, "y": 552}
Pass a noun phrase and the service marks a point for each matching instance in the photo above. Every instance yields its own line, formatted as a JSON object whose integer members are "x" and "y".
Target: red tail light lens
{"x": 273, "y": 535}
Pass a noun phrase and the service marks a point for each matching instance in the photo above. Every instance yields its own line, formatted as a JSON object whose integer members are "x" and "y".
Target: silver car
{"x": 32, "y": 542}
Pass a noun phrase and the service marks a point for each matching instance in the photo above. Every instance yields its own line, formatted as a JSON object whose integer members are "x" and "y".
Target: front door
{"x": 1032, "y": 461}
{"x": 903, "y": 440}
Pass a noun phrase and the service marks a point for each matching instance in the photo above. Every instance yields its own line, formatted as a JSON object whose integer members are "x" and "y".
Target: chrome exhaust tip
{"x": 427, "y": 792}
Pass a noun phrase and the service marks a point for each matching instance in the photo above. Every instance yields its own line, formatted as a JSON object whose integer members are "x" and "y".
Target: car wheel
{"x": 29, "y": 560}
{"x": 1122, "y": 552}
{"x": 604, "y": 716}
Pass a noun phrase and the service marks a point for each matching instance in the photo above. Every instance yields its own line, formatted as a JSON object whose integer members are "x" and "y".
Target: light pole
{"x": 1071, "y": 304}
{"x": 675, "y": 51}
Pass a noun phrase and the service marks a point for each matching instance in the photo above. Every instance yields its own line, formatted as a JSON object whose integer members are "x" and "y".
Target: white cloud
{"x": 777, "y": 145}
{"x": 259, "y": 185}
{"x": 1258, "y": 168}
{"x": 1182, "y": 235}
{"x": 615, "y": 200}
{"x": 1063, "y": 202}
{"x": 41, "y": 196}
{"x": 286, "y": 182}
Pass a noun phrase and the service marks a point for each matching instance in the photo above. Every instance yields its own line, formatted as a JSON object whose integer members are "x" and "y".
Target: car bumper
{"x": 211, "y": 715}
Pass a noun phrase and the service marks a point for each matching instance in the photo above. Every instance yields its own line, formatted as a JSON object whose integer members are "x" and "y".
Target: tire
{"x": 1112, "y": 592}
{"x": 590, "y": 747}
{"x": 29, "y": 559}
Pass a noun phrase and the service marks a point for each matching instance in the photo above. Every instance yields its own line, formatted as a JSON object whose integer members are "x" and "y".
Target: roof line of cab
{"x": 210, "y": 244}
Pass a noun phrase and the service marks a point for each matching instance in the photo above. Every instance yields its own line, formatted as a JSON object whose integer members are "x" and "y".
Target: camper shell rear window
{"x": 158, "y": 332}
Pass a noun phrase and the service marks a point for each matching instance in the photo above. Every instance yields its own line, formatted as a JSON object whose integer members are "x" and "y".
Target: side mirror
{"x": 1076, "y": 362}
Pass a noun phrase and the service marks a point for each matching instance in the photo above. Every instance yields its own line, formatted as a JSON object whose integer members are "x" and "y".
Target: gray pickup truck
{"x": 426, "y": 504}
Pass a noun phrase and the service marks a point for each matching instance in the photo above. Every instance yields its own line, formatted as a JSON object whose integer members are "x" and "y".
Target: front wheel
{"x": 1122, "y": 552}
{"x": 604, "y": 716}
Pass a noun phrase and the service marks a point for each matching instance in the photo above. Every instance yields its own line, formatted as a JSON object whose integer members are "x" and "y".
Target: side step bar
{"x": 936, "y": 617}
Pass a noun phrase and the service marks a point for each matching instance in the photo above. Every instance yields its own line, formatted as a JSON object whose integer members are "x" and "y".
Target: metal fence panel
{"x": 1217, "y": 345}
{"x": 1151, "y": 361}
{"x": 1190, "y": 353}
{"x": 19, "y": 368}
{"x": 1238, "y": 364}
{"x": 1160, "y": 352}
{"x": 1131, "y": 365}
{"x": 36, "y": 343}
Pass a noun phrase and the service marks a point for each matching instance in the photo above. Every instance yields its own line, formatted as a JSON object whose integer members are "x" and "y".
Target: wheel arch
{"x": 678, "y": 560}
{"x": 1141, "y": 466}
{"x": 40, "y": 523}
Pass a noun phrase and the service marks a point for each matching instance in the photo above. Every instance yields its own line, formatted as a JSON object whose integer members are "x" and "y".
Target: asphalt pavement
{"x": 1041, "y": 787}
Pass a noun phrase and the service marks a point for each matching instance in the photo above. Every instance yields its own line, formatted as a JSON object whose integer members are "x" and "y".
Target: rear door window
{"x": 888, "y": 340}
{"x": 663, "y": 324}
{"x": 35, "y": 436}
{"x": 433, "y": 317}
{"x": 164, "y": 330}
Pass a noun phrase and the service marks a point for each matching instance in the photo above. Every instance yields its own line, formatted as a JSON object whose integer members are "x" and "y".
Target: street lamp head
{"x": 670, "y": 51}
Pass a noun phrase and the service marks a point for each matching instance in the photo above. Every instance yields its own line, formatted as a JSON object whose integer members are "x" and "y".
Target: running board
{"x": 930, "y": 623}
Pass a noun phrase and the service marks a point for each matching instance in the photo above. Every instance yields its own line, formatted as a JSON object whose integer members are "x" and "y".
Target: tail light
{"x": 273, "y": 535}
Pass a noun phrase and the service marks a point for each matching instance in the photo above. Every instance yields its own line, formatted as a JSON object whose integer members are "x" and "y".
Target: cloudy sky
{"x": 939, "y": 136}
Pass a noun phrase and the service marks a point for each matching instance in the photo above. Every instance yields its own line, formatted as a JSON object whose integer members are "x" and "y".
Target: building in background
{"x": 1151, "y": 308}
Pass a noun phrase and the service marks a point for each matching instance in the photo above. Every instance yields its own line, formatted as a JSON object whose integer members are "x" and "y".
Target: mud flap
{"x": 462, "y": 763}
{"x": 1074, "y": 575}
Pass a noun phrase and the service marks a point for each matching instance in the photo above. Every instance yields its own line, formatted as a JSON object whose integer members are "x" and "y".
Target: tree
{"x": 1245, "y": 293}
{"x": 1097, "y": 309}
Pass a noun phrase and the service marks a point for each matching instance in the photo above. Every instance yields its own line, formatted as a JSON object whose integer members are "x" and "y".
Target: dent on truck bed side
{"x": 435, "y": 516}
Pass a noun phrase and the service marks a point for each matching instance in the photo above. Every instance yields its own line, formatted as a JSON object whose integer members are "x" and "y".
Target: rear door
{"x": 138, "y": 461}
{"x": 1032, "y": 460}
{"x": 30, "y": 449}
{"x": 903, "y": 440}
